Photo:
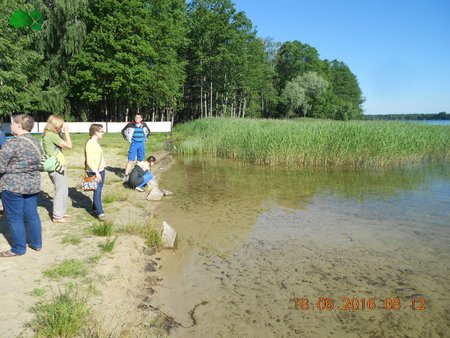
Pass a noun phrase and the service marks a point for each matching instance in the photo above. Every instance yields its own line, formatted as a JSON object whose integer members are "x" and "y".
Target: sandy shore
{"x": 121, "y": 282}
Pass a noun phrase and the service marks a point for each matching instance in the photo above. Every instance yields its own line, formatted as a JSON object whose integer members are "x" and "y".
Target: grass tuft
{"x": 38, "y": 292}
{"x": 71, "y": 239}
{"x": 104, "y": 229}
{"x": 117, "y": 197}
{"x": 153, "y": 238}
{"x": 67, "y": 268}
{"x": 108, "y": 246}
{"x": 148, "y": 232}
{"x": 94, "y": 259}
{"x": 63, "y": 317}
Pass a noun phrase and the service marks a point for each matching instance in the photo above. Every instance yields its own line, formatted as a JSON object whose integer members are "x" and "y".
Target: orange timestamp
{"x": 355, "y": 304}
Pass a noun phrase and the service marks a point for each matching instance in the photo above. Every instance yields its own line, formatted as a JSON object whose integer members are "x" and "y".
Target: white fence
{"x": 109, "y": 127}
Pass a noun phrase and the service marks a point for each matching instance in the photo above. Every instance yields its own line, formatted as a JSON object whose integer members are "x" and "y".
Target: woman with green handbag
{"x": 57, "y": 137}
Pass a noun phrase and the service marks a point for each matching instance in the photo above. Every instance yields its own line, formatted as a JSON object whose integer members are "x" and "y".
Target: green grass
{"x": 108, "y": 246}
{"x": 119, "y": 196}
{"x": 65, "y": 316}
{"x": 38, "y": 292}
{"x": 94, "y": 259}
{"x": 102, "y": 229}
{"x": 148, "y": 232}
{"x": 315, "y": 143}
{"x": 67, "y": 268}
{"x": 153, "y": 238}
{"x": 71, "y": 239}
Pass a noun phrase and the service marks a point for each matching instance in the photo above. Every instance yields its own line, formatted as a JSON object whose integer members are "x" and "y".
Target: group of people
{"x": 20, "y": 182}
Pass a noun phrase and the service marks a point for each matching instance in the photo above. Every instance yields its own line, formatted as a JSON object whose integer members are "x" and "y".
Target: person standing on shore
{"x": 20, "y": 183}
{"x": 56, "y": 137}
{"x": 95, "y": 165}
{"x": 136, "y": 133}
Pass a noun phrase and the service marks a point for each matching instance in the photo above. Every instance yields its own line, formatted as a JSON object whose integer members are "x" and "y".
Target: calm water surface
{"x": 277, "y": 253}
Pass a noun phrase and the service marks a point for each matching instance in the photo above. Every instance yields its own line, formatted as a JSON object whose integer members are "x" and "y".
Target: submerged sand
{"x": 251, "y": 251}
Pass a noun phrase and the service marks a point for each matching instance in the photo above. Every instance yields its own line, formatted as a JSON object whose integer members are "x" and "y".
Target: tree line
{"x": 166, "y": 59}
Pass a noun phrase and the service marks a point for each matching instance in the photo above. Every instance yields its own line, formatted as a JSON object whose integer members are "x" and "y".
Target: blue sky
{"x": 399, "y": 50}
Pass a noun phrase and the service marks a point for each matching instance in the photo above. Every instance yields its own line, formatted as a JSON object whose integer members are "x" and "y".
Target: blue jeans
{"x": 24, "y": 222}
{"x": 147, "y": 178}
{"x": 137, "y": 149}
{"x": 97, "y": 202}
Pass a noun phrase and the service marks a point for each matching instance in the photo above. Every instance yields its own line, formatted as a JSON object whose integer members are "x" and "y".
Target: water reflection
{"x": 252, "y": 239}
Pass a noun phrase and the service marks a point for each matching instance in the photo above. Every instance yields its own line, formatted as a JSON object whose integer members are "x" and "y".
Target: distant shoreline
{"x": 442, "y": 116}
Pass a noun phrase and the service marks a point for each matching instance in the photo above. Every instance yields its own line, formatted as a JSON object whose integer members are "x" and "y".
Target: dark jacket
{"x": 136, "y": 176}
{"x": 128, "y": 130}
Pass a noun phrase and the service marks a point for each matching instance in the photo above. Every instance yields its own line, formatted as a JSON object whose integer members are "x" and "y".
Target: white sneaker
{"x": 139, "y": 189}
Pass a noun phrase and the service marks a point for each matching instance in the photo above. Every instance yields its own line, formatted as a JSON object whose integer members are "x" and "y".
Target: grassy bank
{"x": 307, "y": 142}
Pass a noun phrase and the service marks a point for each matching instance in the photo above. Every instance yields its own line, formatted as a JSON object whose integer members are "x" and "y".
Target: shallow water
{"x": 277, "y": 253}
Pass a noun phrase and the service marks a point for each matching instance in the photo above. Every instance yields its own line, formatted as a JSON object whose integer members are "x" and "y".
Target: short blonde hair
{"x": 54, "y": 124}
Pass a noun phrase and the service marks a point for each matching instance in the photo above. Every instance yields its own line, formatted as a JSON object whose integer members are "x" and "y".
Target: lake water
{"x": 277, "y": 253}
{"x": 432, "y": 122}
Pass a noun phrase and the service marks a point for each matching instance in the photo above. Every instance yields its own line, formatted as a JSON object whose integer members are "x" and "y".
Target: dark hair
{"x": 95, "y": 127}
{"x": 151, "y": 159}
{"x": 26, "y": 121}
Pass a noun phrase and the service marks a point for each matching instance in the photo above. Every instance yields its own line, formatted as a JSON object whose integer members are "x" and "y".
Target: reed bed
{"x": 310, "y": 142}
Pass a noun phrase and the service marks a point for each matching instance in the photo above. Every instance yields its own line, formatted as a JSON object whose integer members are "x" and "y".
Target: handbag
{"x": 49, "y": 163}
{"x": 89, "y": 183}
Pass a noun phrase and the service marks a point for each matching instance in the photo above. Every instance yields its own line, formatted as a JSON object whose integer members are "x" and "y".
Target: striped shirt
{"x": 138, "y": 135}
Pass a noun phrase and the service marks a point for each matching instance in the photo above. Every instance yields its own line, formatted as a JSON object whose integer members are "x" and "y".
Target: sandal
{"x": 8, "y": 253}
{"x": 33, "y": 248}
{"x": 60, "y": 220}
{"x": 67, "y": 216}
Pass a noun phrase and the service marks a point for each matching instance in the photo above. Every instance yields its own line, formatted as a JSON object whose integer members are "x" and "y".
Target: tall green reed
{"x": 309, "y": 142}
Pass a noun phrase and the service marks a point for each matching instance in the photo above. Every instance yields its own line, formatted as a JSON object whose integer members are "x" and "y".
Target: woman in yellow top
{"x": 57, "y": 137}
{"x": 95, "y": 165}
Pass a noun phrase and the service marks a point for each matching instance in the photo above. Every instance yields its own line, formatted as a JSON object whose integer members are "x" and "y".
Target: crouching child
{"x": 141, "y": 174}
